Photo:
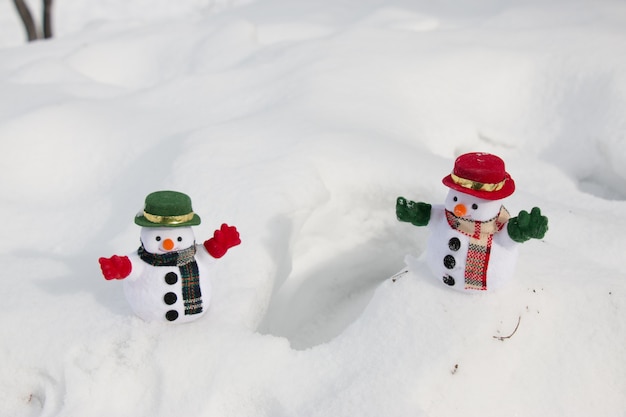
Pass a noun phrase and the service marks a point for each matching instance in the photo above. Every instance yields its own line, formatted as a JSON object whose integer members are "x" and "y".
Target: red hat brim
{"x": 507, "y": 189}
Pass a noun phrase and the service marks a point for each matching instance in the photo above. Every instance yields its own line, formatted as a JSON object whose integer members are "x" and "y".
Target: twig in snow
{"x": 399, "y": 275}
{"x": 519, "y": 318}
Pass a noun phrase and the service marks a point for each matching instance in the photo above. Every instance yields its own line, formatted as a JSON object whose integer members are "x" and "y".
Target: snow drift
{"x": 300, "y": 123}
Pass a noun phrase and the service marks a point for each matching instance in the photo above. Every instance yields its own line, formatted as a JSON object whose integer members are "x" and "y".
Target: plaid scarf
{"x": 481, "y": 237}
{"x": 188, "y": 268}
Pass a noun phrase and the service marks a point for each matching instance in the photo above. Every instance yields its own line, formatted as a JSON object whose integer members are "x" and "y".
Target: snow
{"x": 300, "y": 123}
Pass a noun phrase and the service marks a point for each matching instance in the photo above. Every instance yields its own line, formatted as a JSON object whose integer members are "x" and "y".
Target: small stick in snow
{"x": 501, "y": 338}
{"x": 399, "y": 275}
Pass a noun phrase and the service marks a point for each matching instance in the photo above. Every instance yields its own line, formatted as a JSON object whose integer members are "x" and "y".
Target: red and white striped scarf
{"x": 479, "y": 250}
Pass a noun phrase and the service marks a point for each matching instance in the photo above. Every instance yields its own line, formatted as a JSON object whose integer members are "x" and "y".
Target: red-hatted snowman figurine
{"x": 473, "y": 242}
{"x": 167, "y": 278}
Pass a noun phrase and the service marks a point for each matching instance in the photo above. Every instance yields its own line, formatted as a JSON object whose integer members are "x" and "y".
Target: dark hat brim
{"x": 507, "y": 189}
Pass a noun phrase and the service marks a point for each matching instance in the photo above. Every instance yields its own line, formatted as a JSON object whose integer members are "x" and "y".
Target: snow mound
{"x": 301, "y": 123}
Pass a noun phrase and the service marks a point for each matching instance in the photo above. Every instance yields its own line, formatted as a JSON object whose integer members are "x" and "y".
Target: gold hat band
{"x": 168, "y": 219}
{"x": 478, "y": 186}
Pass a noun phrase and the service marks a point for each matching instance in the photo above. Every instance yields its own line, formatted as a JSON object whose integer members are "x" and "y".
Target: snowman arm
{"x": 409, "y": 211}
{"x": 115, "y": 267}
{"x": 527, "y": 226}
{"x": 223, "y": 239}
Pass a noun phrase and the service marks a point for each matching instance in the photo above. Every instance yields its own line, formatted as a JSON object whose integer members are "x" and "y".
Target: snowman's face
{"x": 470, "y": 207}
{"x": 166, "y": 239}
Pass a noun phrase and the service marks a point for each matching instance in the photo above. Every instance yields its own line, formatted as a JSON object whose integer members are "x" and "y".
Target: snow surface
{"x": 300, "y": 123}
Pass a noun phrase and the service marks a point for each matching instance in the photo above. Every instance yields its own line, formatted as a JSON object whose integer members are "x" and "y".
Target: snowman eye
{"x": 158, "y": 238}
{"x": 474, "y": 206}
{"x": 455, "y": 199}
{"x": 180, "y": 239}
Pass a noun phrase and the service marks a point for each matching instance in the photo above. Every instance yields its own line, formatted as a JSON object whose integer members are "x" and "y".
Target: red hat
{"x": 481, "y": 175}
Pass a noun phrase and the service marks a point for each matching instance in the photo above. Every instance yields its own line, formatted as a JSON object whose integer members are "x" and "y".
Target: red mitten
{"x": 223, "y": 239}
{"x": 115, "y": 267}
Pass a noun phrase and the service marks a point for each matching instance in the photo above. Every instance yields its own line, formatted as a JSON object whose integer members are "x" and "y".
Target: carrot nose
{"x": 168, "y": 244}
{"x": 460, "y": 210}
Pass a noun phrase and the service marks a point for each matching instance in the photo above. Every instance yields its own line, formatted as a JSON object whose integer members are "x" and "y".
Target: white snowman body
{"x": 447, "y": 249}
{"x": 155, "y": 292}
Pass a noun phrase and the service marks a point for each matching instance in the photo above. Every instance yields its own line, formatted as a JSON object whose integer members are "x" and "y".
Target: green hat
{"x": 167, "y": 209}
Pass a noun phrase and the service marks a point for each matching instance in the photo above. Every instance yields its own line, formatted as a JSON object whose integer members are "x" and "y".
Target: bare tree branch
{"x": 27, "y": 19}
{"x": 47, "y": 19}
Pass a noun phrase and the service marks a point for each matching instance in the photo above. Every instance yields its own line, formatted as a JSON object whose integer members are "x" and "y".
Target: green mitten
{"x": 528, "y": 226}
{"x": 412, "y": 212}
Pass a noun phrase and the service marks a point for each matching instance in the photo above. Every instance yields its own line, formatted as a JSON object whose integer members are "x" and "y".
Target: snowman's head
{"x": 161, "y": 240}
{"x": 470, "y": 207}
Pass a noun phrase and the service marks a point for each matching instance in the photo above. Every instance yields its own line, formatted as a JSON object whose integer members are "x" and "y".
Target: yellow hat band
{"x": 168, "y": 219}
{"x": 475, "y": 185}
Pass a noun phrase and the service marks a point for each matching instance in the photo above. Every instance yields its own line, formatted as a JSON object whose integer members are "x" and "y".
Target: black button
{"x": 170, "y": 298}
{"x": 449, "y": 261}
{"x": 447, "y": 279}
{"x": 171, "y": 278}
{"x": 454, "y": 244}
{"x": 171, "y": 315}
